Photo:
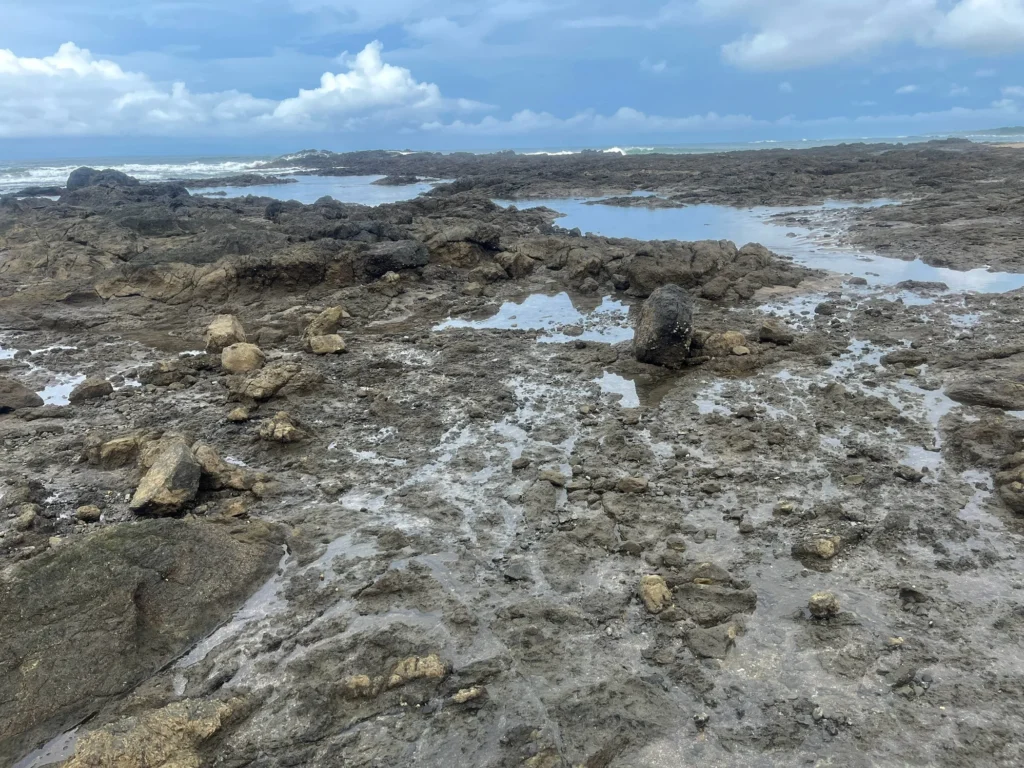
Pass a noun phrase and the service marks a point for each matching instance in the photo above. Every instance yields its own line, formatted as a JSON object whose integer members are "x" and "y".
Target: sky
{"x": 96, "y": 77}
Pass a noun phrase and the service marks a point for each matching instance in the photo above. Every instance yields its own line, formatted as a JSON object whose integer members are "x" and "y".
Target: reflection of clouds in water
{"x": 540, "y": 312}
{"x": 759, "y": 225}
{"x": 613, "y": 384}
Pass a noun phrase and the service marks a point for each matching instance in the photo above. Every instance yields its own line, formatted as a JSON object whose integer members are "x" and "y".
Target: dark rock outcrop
{"x": 91, "y": 177}
{"x": 89, "y": 620}
{"x": 14, "y": 395}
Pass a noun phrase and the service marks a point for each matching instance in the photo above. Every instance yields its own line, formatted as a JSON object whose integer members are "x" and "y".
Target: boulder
{"x": 776, "y": 332}
{"x": 242, "y": 358}
{"x": 171, "y": 481}
{"x": 89, "y": 513}
{"x": 330, "y": 344}
{"x": 326, "y": 323}
{"x": 264, "y": 384}
{"x": 664, "y": 327}
{"x": 393, "y": 256}
{"x": 990, "y": 391}
{"x": 14, "y": 395}
{"x": 217, "y": 474}
{"x": 224, "y": 331}
{"x": 88, "y": 621}
{"x": 281, "y": 429}
{"x": 91, "y": 177}
{"x": 92, "y": 388}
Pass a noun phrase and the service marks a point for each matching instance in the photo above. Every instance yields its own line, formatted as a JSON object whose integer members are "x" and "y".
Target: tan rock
{"x": 331, "y": 344}
{"x": 239, "y": 415}
{"x": 171, "y": 482}
{"x": 655, "y": 593}
{"x": 822, "y": 605}
{"x": 224, "y": 331}
{"x": 358, "y": 687}
{"x": 89, "y": 513}
{"x": 281, "y": 429}
{"x": 722, "y": 344}
{"x": 265, "y": 383}
{"x": 327, "y": 323}
{"x": 242, "y": 358}
{"x": 218, "y": 474}
{"x": 418, "y": 668}
{"x": 741, "y": 351}
{"x": 164, "y": 738}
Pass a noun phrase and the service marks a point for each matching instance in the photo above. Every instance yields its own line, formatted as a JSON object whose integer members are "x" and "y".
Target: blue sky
{"x": 143, "y": 76}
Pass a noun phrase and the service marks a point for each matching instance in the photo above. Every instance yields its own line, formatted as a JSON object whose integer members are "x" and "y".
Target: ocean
{"x": 16, "y": 175}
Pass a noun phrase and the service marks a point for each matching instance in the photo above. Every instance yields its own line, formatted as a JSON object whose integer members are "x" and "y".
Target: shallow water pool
{"x": 309, "y": 189}
{"x": 757, "y": 225}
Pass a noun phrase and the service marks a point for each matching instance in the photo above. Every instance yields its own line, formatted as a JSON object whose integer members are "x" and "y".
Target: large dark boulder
{"x": 88, "y": 620}
{"x": 664, "y": 328}
{"x": 90, "y": 177}
{"x": 393, "y": 256}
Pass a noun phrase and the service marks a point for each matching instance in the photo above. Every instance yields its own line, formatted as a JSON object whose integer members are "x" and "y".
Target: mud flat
{"x": 398, "y": 479}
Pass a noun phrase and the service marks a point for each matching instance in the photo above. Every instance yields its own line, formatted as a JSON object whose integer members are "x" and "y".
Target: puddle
{"x": 557, "y": 315}
{"x": 763, "y": 225}
{"x": 56, "y": 750}
{"x": 309, "y": 189}
{"x": 58, "y": 394}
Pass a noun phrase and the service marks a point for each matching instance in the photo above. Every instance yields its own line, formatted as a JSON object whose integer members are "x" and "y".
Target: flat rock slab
{"x": 88, "y": 621}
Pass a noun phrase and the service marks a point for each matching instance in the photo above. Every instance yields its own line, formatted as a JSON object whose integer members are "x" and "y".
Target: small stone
{"x": 473, "y": 289}
{"x": 242, "y": 358}
{"x": 469, "y": 694}
{"x": 92, "y": 388}
{"x": 784, "y": 508}
{"x": 746, "y": 526}
{"x": 740, "y": 351}
{"x": 281, "y": 429}
{"x": 235, "y": 508}
{"x": 239, "y": 415}
{"x": 632, "y": 485}
{"x": 331, "y": 344}
{"x": 655, "y": 593}
{"x": 776, "y": 332}
{"x": 823, "y": 605}
{"x": 88, "y": 513}
{"x": 326, "y": 323}
{"x": 358, "y": 687}
{"x": 521, "y": 463}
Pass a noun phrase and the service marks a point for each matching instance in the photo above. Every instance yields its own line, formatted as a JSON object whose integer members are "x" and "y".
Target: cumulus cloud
{"x": 74, "y": 93}
{"x": 903, "y": 90}
{"x": 791, "y": 34}
{"x": 1014, "y": 91}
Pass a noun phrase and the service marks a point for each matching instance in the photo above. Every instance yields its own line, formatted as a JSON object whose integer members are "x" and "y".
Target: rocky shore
{"x": 331, "y": 484}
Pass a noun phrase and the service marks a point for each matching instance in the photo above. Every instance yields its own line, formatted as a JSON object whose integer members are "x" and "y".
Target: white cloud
{"x": 986, "y": 73}
{"x": 74, "y": 93}
{"x": 658, "y": 67}
{"x": 958, "y": 90}
{"x": 903, "y": 90}
{"x": 1014, "y": 91}
{"x": 984, "y": 26}
{"x": 791, "y": 34}
{"x": 785, "y": 87}
{"x": 625, "y": 120}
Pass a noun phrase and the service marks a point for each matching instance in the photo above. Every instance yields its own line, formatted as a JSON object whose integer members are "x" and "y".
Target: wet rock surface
{"x": 508, "y": 541}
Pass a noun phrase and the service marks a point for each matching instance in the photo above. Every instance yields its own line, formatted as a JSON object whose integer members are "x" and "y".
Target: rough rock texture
{"x": 90, "y": 177}
{"x": 171, "y": 737}
{"x": 331, "y": 344}
{"x": 91, "y": 389}
{"x": 991, "y": 391}
{"x": 224, "y": 331}
{"x": 89, "y": 620}
{"x": 664, "y": 328}
{"x": 242, "y": 358}
{"x": 171, "y": 481}
{"x": 15, "y": 395}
